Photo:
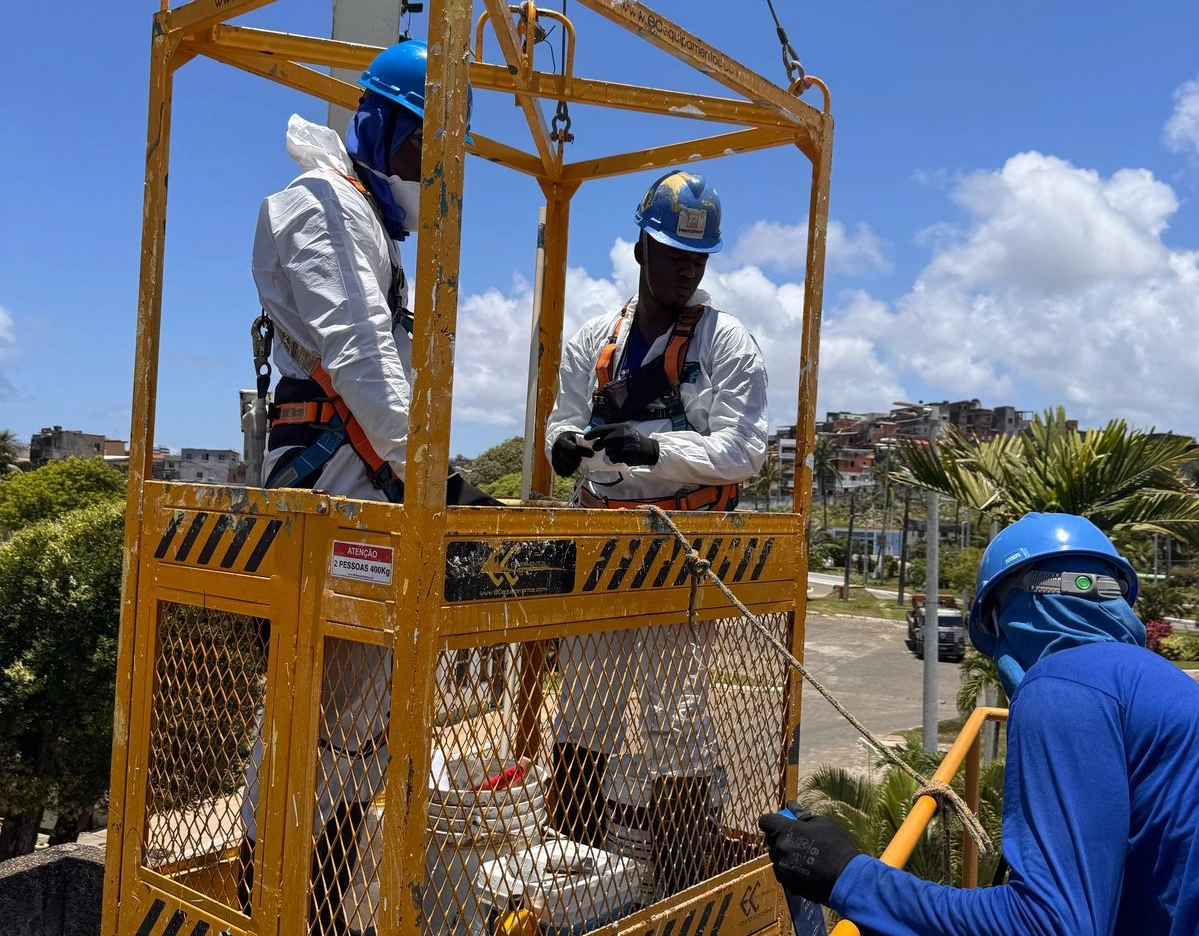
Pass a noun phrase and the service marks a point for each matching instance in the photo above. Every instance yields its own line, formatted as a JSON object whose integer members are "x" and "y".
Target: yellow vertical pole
{"x": 553, "y": 304}
{"x": 123, "y": 838}
{"x": 969, "y": 848}
{"x": 421, "y": 559}
{"x": 805, "y": 436}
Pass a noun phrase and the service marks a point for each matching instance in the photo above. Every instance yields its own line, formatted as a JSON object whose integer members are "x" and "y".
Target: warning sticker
{"x": 692, "y": 222}
{"x": 362, "y": 561}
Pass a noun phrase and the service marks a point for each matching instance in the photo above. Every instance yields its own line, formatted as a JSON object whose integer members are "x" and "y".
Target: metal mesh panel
{"x": 590, "y": 776}
{"x": 347, "y": 840}
{"x": 210, "y": 676}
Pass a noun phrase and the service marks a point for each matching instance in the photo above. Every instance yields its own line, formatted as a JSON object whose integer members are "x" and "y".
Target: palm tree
{"x": 1125, "y": 481}
{"x": 8, "y": 452}
{"x": 883, "y": 470}
{"x": 767, "y": 479}
{"x": 872, "y": 810}
{"x": 825, "y": 452}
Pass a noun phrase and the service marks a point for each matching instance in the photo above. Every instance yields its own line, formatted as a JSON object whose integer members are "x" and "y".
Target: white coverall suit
{"x": 726, "y": 406}
{"x": 323, "y": 265}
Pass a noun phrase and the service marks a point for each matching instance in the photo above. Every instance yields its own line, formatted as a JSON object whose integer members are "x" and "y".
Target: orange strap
{"x": 673, "y": 358}
{"x": 354, "y": 429}
{"x": 314, "y": 411}
{"x": 712, "y": 497}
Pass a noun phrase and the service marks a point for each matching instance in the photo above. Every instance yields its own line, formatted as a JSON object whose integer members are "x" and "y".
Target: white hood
{"x": 314, "y": 146}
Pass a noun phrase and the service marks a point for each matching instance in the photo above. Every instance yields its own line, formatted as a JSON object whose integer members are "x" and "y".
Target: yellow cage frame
{"x": 282, "y": 537}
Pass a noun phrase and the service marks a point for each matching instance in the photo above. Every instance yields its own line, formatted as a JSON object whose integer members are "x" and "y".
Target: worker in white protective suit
{"x": 329, "y": 277}
{"x": 663, "y": 403}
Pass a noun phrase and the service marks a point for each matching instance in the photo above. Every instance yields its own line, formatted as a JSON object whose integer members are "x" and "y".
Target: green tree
{"x": 872, "y": 810}
{"x": 825, "y": 452}
{"x": 55, "y": 488}
{"x": 60, "y": 588}
{"x": 766, "y": 480}
{"x": 508, "y": 487}
{"x": 497, "y": 461}
{"x": 8, "y": 453}
{"x": 1125, "y": 481}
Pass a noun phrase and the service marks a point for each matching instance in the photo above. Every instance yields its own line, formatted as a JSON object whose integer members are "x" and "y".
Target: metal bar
{"x": 693, "y": 51}
{"x": 505, "y": 32}
{"x": 969, "y": 848}
{"x": 674, "y": 154}
{"x": 809, "y": 351}
{"x": 132, "y": 657}
{"x": 421, "y": 549}
{"x": 504, "y": 155}
{"x": 553, "y": 304}
{"x": 200, "y": 14}
{"x": 308, "y": 49}
{"x": 288, "y": 74}
{"x": 904, "y": 842}
{"x": 631, "y": 97}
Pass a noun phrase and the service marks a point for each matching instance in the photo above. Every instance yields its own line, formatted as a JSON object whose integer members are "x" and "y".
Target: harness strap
{"x": 712, "y": 497}
{"x": 343, "y": 426}
{"x": 320, "y": 412}
{"x": 674, "y": 359}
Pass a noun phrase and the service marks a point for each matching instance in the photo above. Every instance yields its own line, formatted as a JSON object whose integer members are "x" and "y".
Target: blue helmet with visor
{"x": 1034, "y": 554}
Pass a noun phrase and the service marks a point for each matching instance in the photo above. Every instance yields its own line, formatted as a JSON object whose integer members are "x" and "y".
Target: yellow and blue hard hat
{"x": 681, "y": 209}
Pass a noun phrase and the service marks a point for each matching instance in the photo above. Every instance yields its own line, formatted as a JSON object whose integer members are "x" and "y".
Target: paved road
{"x": 865, "y": 664}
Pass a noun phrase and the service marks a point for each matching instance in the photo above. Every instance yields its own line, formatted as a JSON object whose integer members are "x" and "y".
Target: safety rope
{"x": 944, "y": 794}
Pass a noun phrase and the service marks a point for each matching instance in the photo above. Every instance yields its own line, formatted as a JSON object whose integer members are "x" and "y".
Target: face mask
{"x": 405, "y": 194}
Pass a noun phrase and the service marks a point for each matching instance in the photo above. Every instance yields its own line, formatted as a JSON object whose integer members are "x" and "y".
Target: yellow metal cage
{"x": 300, "y": 623}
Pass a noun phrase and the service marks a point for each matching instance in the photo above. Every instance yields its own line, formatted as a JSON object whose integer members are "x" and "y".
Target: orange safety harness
{"x": 667, "y": 405}
{"x": 330, "y": 414}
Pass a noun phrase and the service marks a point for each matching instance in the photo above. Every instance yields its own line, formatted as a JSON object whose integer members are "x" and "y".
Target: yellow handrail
{"x": 965, "y": 748}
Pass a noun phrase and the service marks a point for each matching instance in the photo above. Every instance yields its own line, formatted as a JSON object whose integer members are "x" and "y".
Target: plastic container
{"x": 570, "y": 888}
{"x": 628, "y": 789}
{"x": 467, "y": 828}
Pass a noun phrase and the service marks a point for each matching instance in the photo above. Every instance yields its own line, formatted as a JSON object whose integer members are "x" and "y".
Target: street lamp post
{"x": 848, "y": 549}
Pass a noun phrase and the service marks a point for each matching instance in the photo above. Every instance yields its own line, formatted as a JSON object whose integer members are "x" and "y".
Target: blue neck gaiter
{"x": 375, "y": 132}
{"x": 1033, "y": 625}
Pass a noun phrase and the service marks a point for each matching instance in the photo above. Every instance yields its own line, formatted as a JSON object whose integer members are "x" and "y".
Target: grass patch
{"x": 860, "y": 603}
{"x": 1187, "y": 664}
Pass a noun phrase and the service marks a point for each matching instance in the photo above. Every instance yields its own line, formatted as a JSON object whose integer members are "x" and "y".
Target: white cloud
{"x": 1058, "y": 290}
{"x": 783, "y": 247}
{"x": 1055, "y": 288}
{"x": 1182, "y": 129}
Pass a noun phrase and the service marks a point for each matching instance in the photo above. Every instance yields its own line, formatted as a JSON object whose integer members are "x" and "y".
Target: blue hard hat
{"x": 398, "y": 74}
{"x": 681, "y": 209}
{"x": 1036, "y": 537}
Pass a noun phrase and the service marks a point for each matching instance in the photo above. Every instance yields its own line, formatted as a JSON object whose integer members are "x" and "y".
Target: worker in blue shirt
{"x": 1101, "y": 796}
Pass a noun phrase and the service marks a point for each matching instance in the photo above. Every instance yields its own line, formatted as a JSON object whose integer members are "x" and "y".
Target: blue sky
{"x": 1013, "y": 212}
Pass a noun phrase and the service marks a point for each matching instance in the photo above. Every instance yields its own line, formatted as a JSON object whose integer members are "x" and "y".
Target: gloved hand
{"x": 567, "y": 454}
{"x": 809, "y": 853}
{"x": 624, "y": 444}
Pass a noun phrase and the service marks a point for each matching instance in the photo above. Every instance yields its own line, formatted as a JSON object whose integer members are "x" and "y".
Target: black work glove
{"x": 567, "y": 454}
{"x": 809, "y": 853}
{"x": 624, "y": 444}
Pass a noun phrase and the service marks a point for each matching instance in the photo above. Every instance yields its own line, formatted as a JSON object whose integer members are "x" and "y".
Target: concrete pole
{"x": 370, "y": 22}
{"x": 931, "y": 577}
{"x": 848, "y": 549}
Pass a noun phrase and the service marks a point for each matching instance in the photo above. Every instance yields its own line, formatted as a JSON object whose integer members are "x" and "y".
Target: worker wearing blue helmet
{"x": 661, "y": 403}
{"x": 1101, "y": 787}
{"x": 327, "y": 266}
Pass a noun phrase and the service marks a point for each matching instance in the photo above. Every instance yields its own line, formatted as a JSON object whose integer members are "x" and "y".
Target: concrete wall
{"x": 57, "y": 891}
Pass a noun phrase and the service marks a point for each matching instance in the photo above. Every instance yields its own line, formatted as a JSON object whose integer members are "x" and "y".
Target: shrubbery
{"x": 1181, "y": 648}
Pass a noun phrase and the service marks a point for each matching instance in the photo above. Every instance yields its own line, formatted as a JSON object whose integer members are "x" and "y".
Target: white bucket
{"x": 603, "y": 889}
{"x": 466, "y": 828}
{"x": 628, "y": 789}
